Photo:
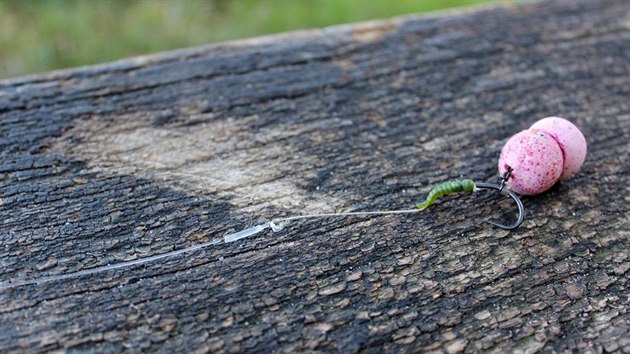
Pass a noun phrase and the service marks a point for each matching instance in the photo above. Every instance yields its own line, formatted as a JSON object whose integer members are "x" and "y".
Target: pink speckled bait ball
{"x": 536, "y": 162}
{"x": 570, "y": 139}
{"x": 552, "y": 149}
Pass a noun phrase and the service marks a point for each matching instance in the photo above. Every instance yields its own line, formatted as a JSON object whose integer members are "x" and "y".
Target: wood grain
{"x": 110, "y": 163}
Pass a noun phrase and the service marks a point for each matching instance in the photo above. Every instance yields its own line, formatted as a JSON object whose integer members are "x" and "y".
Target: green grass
{"x": 42, "y": 35}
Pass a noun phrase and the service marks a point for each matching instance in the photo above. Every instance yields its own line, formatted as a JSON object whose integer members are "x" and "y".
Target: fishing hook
{"x": 506, "y": 191}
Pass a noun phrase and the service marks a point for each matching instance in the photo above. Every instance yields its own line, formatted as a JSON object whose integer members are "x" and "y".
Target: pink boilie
{"x": 536, "y": 161}
{"x": 571, "y": 141}
{"x": 550, "y": 150}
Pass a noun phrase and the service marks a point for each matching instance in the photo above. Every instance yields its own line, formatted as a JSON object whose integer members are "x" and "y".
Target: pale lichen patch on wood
{"x": 218, "y": 157}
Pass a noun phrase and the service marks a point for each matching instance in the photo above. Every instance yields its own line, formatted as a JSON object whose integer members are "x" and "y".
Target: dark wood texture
{"x": 138, "y": 157}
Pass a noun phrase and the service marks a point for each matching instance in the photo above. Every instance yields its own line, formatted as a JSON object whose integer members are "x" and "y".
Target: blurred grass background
{"x": 42, "y": 35}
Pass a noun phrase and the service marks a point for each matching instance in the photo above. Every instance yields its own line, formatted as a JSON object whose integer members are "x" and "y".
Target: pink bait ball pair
{"x": 550, "y": 150}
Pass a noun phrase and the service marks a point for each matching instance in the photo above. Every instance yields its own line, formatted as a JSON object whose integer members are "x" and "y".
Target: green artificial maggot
{"x": 450, "y": 187}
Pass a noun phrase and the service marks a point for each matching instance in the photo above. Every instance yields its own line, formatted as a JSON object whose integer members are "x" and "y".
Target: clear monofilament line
{"x": 52, "y": 278}
{"x": 352, "y": 213}
{"x": 275, "y": 225}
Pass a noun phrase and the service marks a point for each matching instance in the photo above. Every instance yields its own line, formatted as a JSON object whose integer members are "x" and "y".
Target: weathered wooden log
{"x": 115, "y": 162}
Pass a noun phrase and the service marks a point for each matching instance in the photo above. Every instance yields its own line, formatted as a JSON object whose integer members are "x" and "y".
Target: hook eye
{"x": 521, "y": 208}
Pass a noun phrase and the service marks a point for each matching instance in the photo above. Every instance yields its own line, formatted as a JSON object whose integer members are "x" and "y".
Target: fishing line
{"x": 278, "y": 224}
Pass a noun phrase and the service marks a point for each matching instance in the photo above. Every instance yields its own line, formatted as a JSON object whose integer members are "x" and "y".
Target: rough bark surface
{"x": 104, "y": 164}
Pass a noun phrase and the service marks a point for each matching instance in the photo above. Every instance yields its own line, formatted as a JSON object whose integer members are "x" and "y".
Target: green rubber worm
{"x": 450, "y": 187}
